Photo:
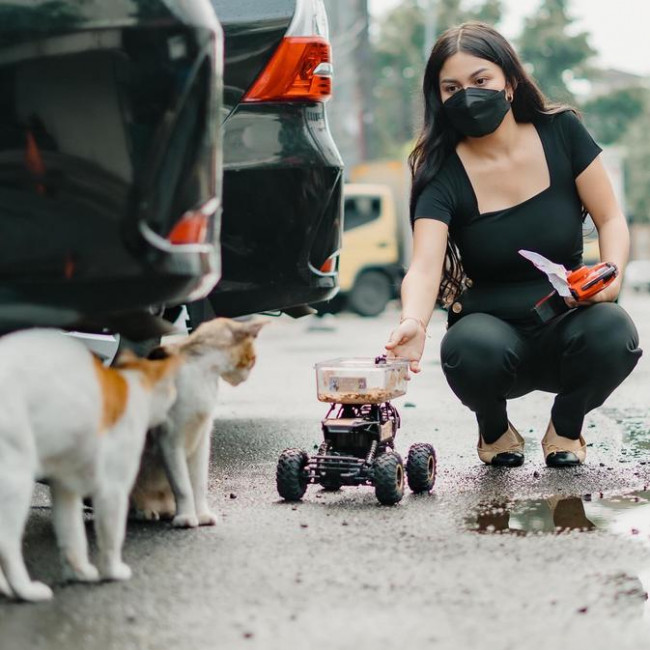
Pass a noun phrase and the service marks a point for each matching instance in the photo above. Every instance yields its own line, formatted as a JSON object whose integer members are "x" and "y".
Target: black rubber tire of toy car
{"x": 388, "y": 477}
{"x": 421, "y": 467}
{"x": 291, "y": 476}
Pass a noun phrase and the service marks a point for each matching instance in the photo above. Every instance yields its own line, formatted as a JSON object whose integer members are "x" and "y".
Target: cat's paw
{"x": 207, "y": 518}
{"x": 81, "y": 572}
{"x": 185, "y": 521}
{"x": 145, "y": 515}
{"x": 116, "y": 571}
{"x": 34, "y": 592}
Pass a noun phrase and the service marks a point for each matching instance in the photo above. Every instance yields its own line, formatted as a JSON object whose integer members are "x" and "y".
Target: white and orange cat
{"x": 66, "y": 418}
{"x": 173, "y": 478}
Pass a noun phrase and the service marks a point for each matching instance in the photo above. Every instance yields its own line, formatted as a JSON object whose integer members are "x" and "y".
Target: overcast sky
{"x": 620, "y": 29}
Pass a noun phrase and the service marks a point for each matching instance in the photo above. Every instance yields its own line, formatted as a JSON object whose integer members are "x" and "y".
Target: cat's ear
{"x": 248, "y": 328}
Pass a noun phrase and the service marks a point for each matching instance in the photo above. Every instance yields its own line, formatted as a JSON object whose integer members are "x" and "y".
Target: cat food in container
{"x": 361, "y": 380}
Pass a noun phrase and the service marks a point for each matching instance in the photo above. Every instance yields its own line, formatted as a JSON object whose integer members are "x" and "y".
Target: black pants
{"x": 582, "y": 356}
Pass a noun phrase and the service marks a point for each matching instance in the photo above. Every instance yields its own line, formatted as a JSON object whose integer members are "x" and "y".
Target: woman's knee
{"x": 606, "y": 334}
{"x": 481, "y": 343}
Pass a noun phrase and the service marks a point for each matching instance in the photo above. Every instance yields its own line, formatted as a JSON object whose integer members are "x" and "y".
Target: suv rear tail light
{"x": 301, "y": 68}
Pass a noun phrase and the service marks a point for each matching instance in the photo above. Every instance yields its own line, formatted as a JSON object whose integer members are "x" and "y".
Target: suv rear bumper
{"x": 282, "y": 217}
{"x": 109, "y": 139}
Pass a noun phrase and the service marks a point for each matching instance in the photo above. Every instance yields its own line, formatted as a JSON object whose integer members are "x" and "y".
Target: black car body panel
{"x": 282, "y": 218}
{"x": 283, "y": 180}
{"x": 108, "y": 136}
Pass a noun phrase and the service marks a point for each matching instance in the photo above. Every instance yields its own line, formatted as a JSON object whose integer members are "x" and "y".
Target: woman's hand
{"x": 407, "y": 341}
{"x": 608, "y": 294}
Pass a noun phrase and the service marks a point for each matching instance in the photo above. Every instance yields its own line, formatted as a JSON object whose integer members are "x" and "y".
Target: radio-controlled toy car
{"x": 359, "y": 432}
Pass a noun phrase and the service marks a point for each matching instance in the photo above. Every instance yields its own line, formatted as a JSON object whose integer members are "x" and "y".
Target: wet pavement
{"x": 529, "y": 557}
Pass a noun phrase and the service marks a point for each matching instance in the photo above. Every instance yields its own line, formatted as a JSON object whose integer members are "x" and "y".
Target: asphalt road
{"x": 525, "y": 558}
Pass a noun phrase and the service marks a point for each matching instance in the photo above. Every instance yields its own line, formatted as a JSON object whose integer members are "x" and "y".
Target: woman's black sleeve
{"x": 581, "y": 147}
{"x": 435, "y": 202}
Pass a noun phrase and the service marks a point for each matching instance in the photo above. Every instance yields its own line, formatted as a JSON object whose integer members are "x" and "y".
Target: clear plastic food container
{"x": 361, "y": 380}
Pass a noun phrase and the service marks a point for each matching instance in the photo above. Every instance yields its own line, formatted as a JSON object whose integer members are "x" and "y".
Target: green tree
{"x": 609, "y": 116}
{"x": 553, "y": 51}
{"x": 399, "y": 65}
{"x": 637, "y": 165}
{"x": 454, "y": 12}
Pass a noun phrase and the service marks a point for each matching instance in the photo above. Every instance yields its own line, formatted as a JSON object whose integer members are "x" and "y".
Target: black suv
{"x": 282, "y": 192}
{"x": 110, "y": 163}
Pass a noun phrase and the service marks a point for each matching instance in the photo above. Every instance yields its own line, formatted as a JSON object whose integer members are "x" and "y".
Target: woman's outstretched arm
{"x": 419, "y": 291}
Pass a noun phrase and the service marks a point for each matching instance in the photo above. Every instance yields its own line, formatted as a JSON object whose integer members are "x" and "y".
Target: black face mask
{"x": 476, "y": 112}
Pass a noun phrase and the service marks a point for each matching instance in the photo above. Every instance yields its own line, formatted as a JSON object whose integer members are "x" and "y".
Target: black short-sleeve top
{"x": 550, "y": 223}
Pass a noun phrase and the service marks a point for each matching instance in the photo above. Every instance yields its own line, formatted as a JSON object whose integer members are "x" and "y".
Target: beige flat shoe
{"x": 563, "y": 452}
{"x": 506, "y": 451}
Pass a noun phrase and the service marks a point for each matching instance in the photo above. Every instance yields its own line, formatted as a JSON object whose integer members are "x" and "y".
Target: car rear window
{"x": 253, "y": 10}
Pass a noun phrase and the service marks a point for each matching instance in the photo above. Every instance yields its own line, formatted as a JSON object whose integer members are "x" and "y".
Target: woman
{"x": 497, "y": 169}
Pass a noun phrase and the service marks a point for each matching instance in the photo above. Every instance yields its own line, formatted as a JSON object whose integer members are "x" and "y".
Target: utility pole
{"x": 363, "y": 60}
{"x": 350, "y": 110}
{"x": 430, "y": 25}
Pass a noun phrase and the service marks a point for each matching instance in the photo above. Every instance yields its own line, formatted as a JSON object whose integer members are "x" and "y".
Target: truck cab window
{"x": 360, "y": 210}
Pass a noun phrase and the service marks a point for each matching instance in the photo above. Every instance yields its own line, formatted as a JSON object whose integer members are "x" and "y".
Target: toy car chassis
{"x": 358, "y": 449}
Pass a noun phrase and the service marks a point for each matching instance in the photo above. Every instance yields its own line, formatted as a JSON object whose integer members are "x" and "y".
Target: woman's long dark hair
{"x": 439, "y": 138}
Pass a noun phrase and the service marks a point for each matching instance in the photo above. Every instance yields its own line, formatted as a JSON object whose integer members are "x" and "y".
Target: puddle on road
{"x": 623, "y": 515}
